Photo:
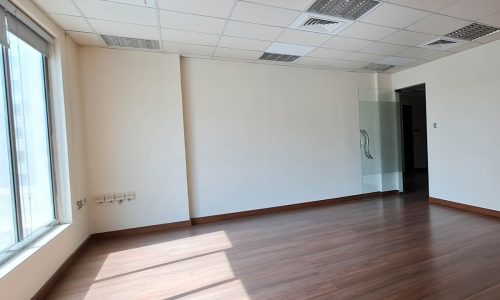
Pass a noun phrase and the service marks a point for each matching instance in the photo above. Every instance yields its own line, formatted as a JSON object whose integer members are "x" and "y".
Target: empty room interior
{"x": 249, "y": 149}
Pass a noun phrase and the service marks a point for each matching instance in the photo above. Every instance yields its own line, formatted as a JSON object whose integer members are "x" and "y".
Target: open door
{"x": 380, "y": 142}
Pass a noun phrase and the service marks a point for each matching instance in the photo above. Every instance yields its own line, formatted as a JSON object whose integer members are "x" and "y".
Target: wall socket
{"x": 117, "y": 197}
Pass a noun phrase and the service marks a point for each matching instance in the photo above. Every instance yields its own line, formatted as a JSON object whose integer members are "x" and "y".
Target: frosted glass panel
{"x": 379, "y": 140}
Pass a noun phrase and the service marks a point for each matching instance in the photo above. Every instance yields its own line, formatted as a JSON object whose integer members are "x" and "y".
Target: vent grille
{"x": 473, "y": 31}
{"x": 118, "y": 41}
{"x": 348, "y": 9}
{"x": 279, "y": 57}
{"x": 441, "y": 44}
{"x": 377, "y": 67}
{"x": 315, "y": 21}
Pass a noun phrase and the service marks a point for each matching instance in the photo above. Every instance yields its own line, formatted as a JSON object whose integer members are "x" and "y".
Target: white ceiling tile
{"x": 188, "y": 37}
{"x": 188, "y": 49}
{"x": 86, "y": 38}
{"x": 301, "y": 37}
{"x": 313, "y": 62}
{"x": 352, "y": 65}
{"x": 252, "y": 31}
{"x": 289, "y": 49}
{"x": 438, "y": 25}
{"x": 290, "y": 4}
{"x": 493, "y": 20}
{"x": 261, "y": 14}
{"x": 181, "y": 21}
{"x": 343, "y": 43}
{"x": 464, "y": 46}
{"x": 72, "y": 23}
{"x": 112, "y": 11}
{"x": 472, "y": 9}
{"x": 364, "y": 57}
{"x": 408, "y": 38}
{"x": 393, "y": 15}
{"x": 242, "y": 43}
{"x": 237, "y": 53}
{"x": 420, "y": 53}
{"x": 330, "y": 53}
{"x": 58, "y": 7}
{"x": 212, "y": 8}
{"x": 383, "y": 48}
{"x": 125, "y": 30}
{"x": 429, "y": 5}
{"x": 396, "y": 61}
{"x": 367, "y": 31}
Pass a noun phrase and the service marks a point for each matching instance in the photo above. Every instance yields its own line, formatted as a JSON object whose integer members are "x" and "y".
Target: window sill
{"x": 31, "y": 249}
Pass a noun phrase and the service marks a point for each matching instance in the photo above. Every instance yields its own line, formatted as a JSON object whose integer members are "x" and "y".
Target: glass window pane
{"x": 32, "y": 135}
{"x": 7, "y": 214}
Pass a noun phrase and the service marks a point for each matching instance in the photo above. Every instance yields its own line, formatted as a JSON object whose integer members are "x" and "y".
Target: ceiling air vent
{"x": 377, "y": 67}
{"x": 348, "y": 9}
{"x": 473, "y": 31}
{"x": 320, "y": 23}
{"x": 279, "y": 57}
{"x": 441, "y": 44}
{"x": 118, "y": 41}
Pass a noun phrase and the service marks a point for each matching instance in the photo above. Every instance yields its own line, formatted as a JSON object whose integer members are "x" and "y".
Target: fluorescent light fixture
{"x": 473, "y": 31}
{"x": 348, "y": 9}
{"x": 289, "y": 49}
{"x": 396, "y": 61}
{"x": 119, "y": 41}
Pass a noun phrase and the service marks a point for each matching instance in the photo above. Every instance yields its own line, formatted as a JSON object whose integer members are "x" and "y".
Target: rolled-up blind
{"x": 22, "y": 31}
{"x": 3, "y": 28}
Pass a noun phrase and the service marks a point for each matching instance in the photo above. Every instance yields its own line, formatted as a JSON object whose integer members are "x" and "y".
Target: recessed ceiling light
{"x": 473, "y": 31}
{"x": 348, "y": 9}
{"x": 289, "y": 49}
{"x": 396, "y": 61}
{"x": 320, "y": 23}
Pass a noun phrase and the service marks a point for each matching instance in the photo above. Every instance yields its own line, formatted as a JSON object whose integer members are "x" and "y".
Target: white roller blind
{"x": 3, "y": 28}
{"x": 21, "y": 30}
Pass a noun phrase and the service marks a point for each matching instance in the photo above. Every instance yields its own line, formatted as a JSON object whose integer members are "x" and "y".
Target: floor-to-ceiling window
{"x": 27, "y": 206}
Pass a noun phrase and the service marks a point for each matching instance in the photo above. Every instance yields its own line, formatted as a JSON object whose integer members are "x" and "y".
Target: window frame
{"x": 21, "y": 239}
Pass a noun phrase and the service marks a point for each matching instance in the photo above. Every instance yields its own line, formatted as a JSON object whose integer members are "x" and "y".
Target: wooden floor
{"x": 392, "y": 248}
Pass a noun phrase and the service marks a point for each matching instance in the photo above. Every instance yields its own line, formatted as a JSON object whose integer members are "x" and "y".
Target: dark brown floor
{"x": 398, "y": 247}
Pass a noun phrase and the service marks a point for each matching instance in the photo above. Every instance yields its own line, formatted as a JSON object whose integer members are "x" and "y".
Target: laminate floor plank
{"x": 396, "y": 247}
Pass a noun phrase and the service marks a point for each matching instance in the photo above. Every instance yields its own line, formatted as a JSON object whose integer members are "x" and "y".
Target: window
{"x": 27, "y": 206}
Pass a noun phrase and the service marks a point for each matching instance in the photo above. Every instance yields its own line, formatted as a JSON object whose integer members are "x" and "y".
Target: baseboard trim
{"x": 276, "y": 209}
{"x": 139, "y": 230}
{"x": 44, "y": 291}
{"x": 465, "y": 207}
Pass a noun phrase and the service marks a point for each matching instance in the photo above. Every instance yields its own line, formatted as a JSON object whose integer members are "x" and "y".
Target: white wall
{"x": 134, "y": 136}
{"x": 30, "y": 275}
{"x": 463, "y": 99}
{"x": 262, "y": 136}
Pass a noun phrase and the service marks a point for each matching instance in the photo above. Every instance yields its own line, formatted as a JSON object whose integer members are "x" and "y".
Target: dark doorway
{"x": 414, "y": 139}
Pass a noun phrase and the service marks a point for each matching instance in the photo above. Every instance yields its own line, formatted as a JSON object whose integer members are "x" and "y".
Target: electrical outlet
{"x": 120, "y": 197}
{"x": 109, "y": 198}
{"x": 99, "y": 199}
{"x": 130, "y": 196}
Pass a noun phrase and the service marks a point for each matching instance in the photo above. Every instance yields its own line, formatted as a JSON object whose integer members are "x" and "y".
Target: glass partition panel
{"x": 379, "y": 140}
